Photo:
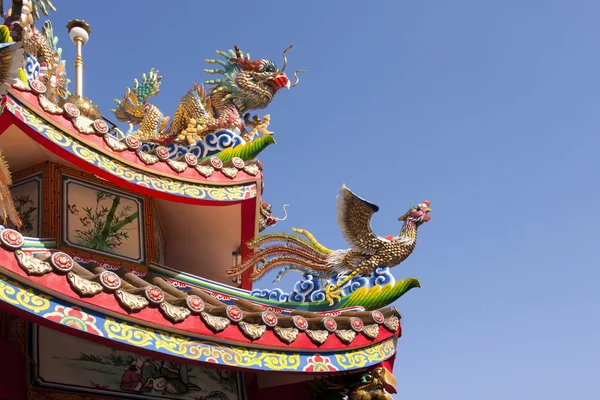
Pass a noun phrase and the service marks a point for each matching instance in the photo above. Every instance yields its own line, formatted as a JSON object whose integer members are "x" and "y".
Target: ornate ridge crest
{"x": 209, "y": 121}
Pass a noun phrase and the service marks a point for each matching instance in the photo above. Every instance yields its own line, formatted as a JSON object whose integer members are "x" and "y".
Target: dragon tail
{"x": 131, "y": 108}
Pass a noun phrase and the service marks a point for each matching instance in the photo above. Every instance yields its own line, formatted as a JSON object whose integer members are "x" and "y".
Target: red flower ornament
{"x": 74, "y": 318}
{"x": 318, "y": 363}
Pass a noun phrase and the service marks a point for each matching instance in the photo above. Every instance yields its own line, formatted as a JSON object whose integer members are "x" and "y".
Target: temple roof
{"x": 151, "y": 302}
{"x": 179, "y": 175}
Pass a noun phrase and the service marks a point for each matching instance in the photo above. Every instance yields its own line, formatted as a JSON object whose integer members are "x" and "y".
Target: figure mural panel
{"x": 66, "y": 361}
{"x": 102, "y": 220}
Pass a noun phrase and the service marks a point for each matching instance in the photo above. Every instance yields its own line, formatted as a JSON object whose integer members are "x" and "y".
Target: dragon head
{"x": 250, "y": 84}
{"x": 418, "y": 213}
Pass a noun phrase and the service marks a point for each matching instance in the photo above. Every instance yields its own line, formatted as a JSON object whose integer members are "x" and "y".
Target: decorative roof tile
{"x": 134, "y": 294}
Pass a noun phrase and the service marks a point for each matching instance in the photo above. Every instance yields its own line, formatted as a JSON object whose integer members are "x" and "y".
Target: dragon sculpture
{"x": 245, "y": 85}
{"x": 43, "y": 56}
{"x": 374, "y": 385}
{"x": 367, "y": 253}
{"x": 266, "y": 217}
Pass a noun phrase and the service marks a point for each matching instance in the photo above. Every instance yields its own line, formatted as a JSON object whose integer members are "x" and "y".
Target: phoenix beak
{"x": 428, "y": 209}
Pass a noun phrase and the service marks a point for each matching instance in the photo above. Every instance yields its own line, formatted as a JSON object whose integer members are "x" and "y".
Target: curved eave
{"x": 90, "y": 152}
{"x": 56, "y": 285}
{"x": 38, "y": 299}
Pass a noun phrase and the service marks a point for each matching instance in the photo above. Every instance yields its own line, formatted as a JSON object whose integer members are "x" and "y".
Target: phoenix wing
{"x": 354, "y": 219}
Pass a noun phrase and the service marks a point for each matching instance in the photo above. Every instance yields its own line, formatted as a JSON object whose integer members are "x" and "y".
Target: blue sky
{"x": 488, "y": 109}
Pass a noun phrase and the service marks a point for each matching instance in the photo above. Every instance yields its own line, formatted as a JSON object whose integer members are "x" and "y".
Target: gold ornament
{"x": 82, "y": 286}
{"x": 131, "y": 302}
{"x": 32, "y": 265}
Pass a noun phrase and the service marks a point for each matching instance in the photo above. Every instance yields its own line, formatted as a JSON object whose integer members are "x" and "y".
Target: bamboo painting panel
{"x": 102, "y": 220}
{"x": 26, "y": 194}
{"x": 159, "y": 241}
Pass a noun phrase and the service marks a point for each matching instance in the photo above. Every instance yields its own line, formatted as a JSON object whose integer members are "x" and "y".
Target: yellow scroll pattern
{"x": 162, "y": 184}
{"x": 13, "y": 293}
{"x": 200, "y": 350}
{"x": 367, "y": 356}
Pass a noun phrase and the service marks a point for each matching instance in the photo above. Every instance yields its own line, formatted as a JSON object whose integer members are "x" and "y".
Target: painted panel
{"x": 102, "y": 220}
{"x": 72, "y": 363}
{"x": 159, "y": 241}
{"x": 27, "y": 196}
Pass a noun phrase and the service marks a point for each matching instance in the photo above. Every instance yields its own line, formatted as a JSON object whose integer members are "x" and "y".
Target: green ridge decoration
{"x": 379, "y": 296}
{"x": 247, "y": 151}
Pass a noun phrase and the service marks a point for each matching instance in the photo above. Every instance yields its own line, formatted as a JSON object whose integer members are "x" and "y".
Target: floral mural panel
{"x": 26, "y": 194}
{"x": 102, "y": 220}
{"x": 66, "y": 362}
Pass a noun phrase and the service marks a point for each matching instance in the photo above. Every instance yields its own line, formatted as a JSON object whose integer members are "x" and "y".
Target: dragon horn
{"x": 238, "y": 52}
{"x": 285, "y": 58}
{"x": 232, "y": 53}
{"x": 296, "y": 76}
{"x": 284, "y": 212}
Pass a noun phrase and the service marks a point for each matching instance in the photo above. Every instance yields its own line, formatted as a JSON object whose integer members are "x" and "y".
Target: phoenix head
{"x": 417, "y": 214}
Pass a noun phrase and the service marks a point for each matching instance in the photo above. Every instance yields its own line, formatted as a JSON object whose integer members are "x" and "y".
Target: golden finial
{"x": 79, "y": 31}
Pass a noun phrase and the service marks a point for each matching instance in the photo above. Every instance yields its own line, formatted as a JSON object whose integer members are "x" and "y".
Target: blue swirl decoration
{"x": 32, "y": 67}
{"x": 312, "y": 289}
{"x": 148, "y": 147}
{"x": 271, "y": 294}
{"x": 212, "y": 144}
{"x": 307, "y": 285}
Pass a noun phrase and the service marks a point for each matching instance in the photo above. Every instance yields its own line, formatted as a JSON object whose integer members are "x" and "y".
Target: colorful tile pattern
{"x": 45, "y": 306}
{"x": 138, "y": 177}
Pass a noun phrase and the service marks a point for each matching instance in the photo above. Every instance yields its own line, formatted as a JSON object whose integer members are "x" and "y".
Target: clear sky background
{"x": 488, "y": 109}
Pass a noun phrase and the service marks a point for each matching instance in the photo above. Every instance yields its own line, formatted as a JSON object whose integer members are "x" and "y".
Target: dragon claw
{"x": 258, "y": 125}
{"x": 332, "y": 294}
